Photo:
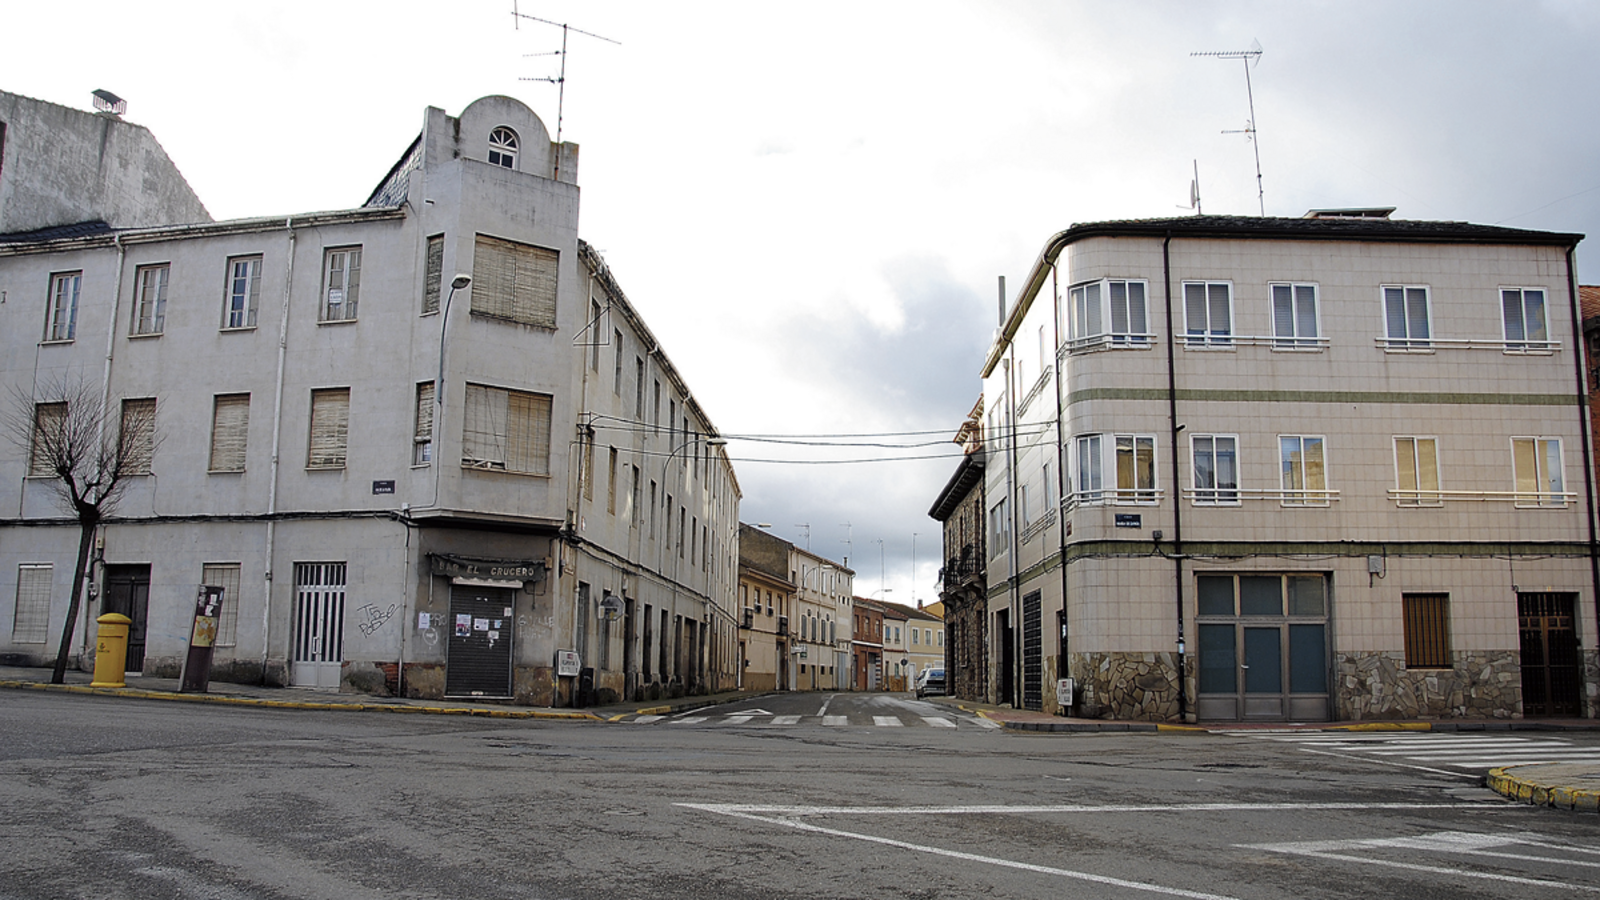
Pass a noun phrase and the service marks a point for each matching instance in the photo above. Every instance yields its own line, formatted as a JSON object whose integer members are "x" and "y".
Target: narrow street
{"x": 126, "y": 798}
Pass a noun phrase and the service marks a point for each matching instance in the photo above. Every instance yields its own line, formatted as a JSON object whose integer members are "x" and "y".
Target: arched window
{"x": 503, "y": 148}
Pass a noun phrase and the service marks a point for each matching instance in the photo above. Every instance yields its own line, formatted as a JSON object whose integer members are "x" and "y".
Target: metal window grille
{"x": 1427, "y": 631}
{"x": 225, "y": 576}
{"x": 30, "y": 623}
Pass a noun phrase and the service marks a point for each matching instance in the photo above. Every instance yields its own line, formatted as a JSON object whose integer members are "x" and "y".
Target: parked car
{"x": 930, "y": 683}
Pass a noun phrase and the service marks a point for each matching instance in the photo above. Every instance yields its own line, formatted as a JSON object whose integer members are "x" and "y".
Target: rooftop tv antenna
{"x": 807, "y": 527}
{"x": 1249, "y": 58}
{"x": 560, "y": 81}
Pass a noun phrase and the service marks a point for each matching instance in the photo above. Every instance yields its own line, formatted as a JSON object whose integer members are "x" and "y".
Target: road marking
{"x": 789, "y": 817}
{"x": 1440, "y": 842}
{"x": 824, "y": 710}
{"x": 1447, "y": 751}
{"x": 749, "y": 712}
{"x": 836, "y": 720}
{"x": 887, "y": 721}
{"x": 938, "y": 722}
{"x": 738, "y": 720}
{"x": 785, "y": 720}
{"x": 649, "y": 718}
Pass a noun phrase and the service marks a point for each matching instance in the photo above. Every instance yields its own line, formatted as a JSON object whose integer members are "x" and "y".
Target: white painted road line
{"x": 887, "y": 721}
{"x": 785, "y": 720}
{"x": 1442, "y": 842}
{"x": 836, "y": 720}
{"x": 737, "y": 720}
{"x": 649, "y": 719}
{"x": 937, "y": 722}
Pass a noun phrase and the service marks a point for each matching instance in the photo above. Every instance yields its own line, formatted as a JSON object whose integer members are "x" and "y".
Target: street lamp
{"x": 457, "y": 283}
{"x": 710, "y": 442}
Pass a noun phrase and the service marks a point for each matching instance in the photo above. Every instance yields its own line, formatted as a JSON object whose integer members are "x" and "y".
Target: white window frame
{"x": 150, "y": 299}
{"x": 1300, "y": 484}
{"x": 1519, "y": 305}
{"x": 422, "y": 425}
{"x": 503, "y": 147}
{"x": 341, "y": 284}
{"x": 1207, "y": 334}
{"x": 1294, "y": 327}
{"x": 1545, "y": 485}
{"x": 61, "y": 307}
{"x": 1415, "y": 484}
{"x": 999, "y": 528}
{"x": 1094, "y": 455}
{"x": 1417, "y": 334}
{"x": 1215, "y": 494}
{"x": 1097, "y": 316}
{"x": 242, "y": 294}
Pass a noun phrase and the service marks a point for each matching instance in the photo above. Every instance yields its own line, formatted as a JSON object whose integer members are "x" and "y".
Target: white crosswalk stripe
{"x": 938, "y": 722}
{"x": 1474, "y": 751}
{"x": 836, "y": 720}
{"x": 740, "y": 717}
{"x": 887, "y": 721}
{"x": 785, "y": 720}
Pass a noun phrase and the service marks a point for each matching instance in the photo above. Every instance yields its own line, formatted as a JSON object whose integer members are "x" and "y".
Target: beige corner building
{"x": 1279, "y": 469}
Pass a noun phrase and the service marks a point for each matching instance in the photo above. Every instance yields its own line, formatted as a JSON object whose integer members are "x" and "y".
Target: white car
{"x": 930, "y": 683}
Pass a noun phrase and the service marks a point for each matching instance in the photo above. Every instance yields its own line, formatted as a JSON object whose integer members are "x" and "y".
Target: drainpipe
{"x": 277, "y": 431}
{"x": 1061, "y": 472}
{"x": 1177, "y": 495}
{"x": 1586, "y": 423}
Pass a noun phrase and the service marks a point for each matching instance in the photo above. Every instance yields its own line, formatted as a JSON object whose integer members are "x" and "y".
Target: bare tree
{"x": 88, "y": 448}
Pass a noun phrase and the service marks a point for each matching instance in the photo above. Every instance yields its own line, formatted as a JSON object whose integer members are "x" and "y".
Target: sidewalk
{"x": 149, "y": 688}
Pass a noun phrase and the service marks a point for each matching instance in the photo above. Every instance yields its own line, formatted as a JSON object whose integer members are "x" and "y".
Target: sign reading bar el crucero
{"x": 493, "y": 569}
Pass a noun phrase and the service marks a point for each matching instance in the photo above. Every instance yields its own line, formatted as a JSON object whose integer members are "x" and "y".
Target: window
{"x": 150, "y": 299}
{"x": 1117, "y": 302}
{"x": 1523, "y": 311}
{"x": 616, "y": 373}
{"x": 515, "y": 282}
{"x": 1133, "y": 463}
{"x": 586, "y": 466}
{"x": 61, "y": 318}
{"x": 30, "y": 622}
{"x": 49, "y": 438}
{"x": 433, "y": 275}
{"x": 1208, "y": 313}
{"x": 611, "y": 482}
{"x": 999, "y": 528}
{"x": 1304, "y": 477}
{"x": 1024, "y": 507}
{"x": 330, "y": 428}
{"x": 230, "y": 426}
{"x": 1427, "y": 630}
{"x": 244, "y": 292}
{"x": 1216, "y": 469}
{"x": 1537, "y": 469}
{"x": 655, "y": 409}
{"x": 594, "y": 339}
{"x": 638, "y": 388}
{"x": 503, "y": 148}
{"x": 506, "y": 430}
{"x": 136, "y": 439}
{"x": 1294, "y": 315}
{"x": 634, "y": 487}
{"x": 225, "y": 576}
{"x": 1416, "y": 465}
{"x": 341, "y": 284}
{"x": 941, "y": 638}
{"x": 422, "y": 425}
{"x": 1405, "y": 317}
{"x": 916, "y": 636}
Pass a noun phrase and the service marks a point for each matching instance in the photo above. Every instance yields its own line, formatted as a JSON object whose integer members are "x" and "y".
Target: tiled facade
{"x": 1274, "y": 456}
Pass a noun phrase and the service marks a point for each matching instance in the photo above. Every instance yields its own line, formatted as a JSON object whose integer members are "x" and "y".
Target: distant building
{"x": 866, "y": 645}
{"x": 1280, "y": 469}
{"x": 427, "y": 446}
{"x": 921, "y": 646}
{"x": 63, "y": 168}
{"x": 964, "y": 585}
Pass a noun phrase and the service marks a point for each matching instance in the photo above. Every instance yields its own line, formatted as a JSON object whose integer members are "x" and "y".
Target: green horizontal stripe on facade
{"x": 1358, "y": 397}
{"x": 1222, "y": 551}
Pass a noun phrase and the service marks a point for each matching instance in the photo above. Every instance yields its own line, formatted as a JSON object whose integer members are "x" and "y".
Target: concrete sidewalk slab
{"x": 1574, "y": 786}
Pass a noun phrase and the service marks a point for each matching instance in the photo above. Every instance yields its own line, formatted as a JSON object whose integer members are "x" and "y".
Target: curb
{"x": 1502, "y": 782}
{"x": 304, "y": 704}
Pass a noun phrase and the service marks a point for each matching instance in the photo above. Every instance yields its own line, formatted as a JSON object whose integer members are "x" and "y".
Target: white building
{"x": 405, "y": 480}
{"x": 1293, "y": 469}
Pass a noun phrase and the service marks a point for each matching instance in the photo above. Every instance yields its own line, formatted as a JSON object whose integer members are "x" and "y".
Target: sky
{"x": 811, "y": 203}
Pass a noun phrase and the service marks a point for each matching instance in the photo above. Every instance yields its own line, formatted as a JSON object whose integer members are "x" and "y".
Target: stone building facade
{"x": 427, "y": 446}
{"x": 1276, "y": 469}
{"x": 963, "y": 580}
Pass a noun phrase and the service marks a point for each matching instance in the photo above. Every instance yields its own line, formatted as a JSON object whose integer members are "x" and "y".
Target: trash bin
{"x": 111, "y": 650}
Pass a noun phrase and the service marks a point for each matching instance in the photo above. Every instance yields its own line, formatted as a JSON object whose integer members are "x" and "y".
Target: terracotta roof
{"x": 1589, "y": 300}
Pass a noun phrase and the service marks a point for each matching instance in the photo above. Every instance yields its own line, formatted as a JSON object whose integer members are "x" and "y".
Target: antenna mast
{"x": 1249, "y": 58}
{"x": 560, "y": 81}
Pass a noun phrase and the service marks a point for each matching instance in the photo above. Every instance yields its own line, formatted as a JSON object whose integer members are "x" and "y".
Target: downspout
{"x": 1062, "y": 669}
{"x": 277, "y": 431}
{"x": 1014, "y": 578}
{"x": 1587, "y": 423}
{"x": 1177, "y": 495}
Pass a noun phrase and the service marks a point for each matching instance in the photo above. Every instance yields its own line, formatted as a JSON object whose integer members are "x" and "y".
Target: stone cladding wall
{"x": 1135, "y": 686}
{"x": 1481, "y": 684}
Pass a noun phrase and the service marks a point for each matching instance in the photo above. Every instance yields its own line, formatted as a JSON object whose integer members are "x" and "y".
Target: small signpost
{"x": 568, "y": 663}
{"x": 202, "y": 639}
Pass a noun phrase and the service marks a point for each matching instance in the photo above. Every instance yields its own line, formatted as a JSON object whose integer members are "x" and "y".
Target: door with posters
{"x": 478, "y": 663}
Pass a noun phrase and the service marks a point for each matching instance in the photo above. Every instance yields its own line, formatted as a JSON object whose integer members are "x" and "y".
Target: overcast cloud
{"x": 810, "y": 203}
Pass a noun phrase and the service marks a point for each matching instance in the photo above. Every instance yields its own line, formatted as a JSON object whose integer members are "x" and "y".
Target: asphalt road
{"x": 110, "y": 798}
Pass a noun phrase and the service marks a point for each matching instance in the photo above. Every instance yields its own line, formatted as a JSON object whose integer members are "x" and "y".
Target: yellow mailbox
{"x": 111, "y": 650}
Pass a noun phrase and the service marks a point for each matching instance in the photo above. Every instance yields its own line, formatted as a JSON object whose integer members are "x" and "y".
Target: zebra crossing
{"x": 763, "y": 719}
{"x": 1464, "y": 752}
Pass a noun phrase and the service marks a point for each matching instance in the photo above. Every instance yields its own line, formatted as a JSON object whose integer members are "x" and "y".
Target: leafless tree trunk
{"x": 88, "y": 449}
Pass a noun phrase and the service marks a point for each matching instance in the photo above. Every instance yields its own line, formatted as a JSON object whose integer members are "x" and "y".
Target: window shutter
{"x": 528, "y": 433}
{"x": 422, "y": 438}
{"x": 433, "y": 276}
{"x": 330, "y": 428}
{"x": 1405, "y": 458}
{"x": 1427, "y": 464}
{"x": 30, "y": 622}
{"x": 481, "y": 442}
{"x": 1417, "y": 312}
{"x": 1220, "y": 320}
{"x": 1305, "y": 309}
{"x": 136, "y": 442}
{"x": 49, "y": 437}
{"x": 1282, "y": 311}
{"x": 1093, "y": 321}
{"x": 1316, "y": 477}
{"x": 1394, "y": 312}
{"x": 514, "y": 281}
{"x": 1534, "y": 320}
{"x": 230, "y": 425}
{"x": 1194, "y": 308}
{"x": 1136, "y": 314}
{"x": 1119, "y": 307}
